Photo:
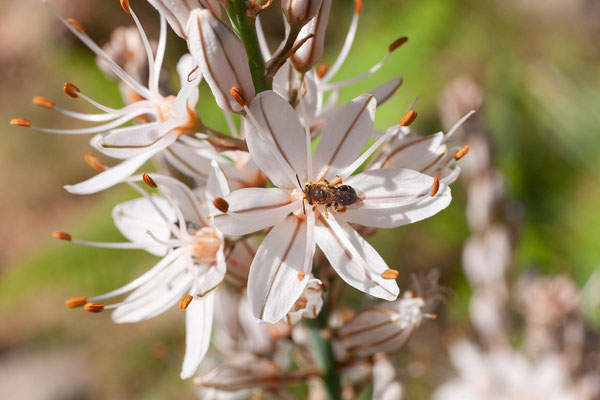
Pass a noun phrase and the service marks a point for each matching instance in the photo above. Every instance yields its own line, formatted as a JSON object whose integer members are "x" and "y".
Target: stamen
{"x": 462, "y": 152}
{"x": 20, "y": 122}
{"x": 149, "y": 181}
{"x": 94, "y": 307}
{"x": 95, "y": 162}
{"x": 134, "y": 97}
{"x": 390, "y": 274}
{"x": 322, "y": 69}
{"x": 61, "y": 236}
{"x": 408, "y": 118}
{"x": 125, "y": 5}
{"x": 458, "y": 124}
{"x": 357, "y": 6}
{"x": 435, "y": 186}
{"x": 185, "y": 301}
{"x": 75, "y": 24}
{"x": 221, "y": 204}
{"x": 74, "y": 302}
{"x": 43, "y": 102}
{"x": 397, "y": 43}
{"x": 237, "y": 94}
{"x": 191, "y": 72}
{"x": 300, "y": 275}
{"x": 71, "y": 90}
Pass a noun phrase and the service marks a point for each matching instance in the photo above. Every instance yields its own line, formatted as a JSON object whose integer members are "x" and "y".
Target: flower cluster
{"x": 302, "y": 170}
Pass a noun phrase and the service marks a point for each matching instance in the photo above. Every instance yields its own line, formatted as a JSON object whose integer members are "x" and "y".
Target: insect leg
{"x": 337, "y": 181}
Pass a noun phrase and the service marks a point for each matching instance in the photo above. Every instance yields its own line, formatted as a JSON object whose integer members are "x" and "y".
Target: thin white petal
{"x": 273, "y": 284}
{"x": 344, "y": 137}
{"x": 395, "y": 197}
{"x": 386, "y": 91}
{"x": 413, "y": 152}
{"x": 354, "y": 259}
{"x": 134, "y": 140}
{"x": 198, "y": 328}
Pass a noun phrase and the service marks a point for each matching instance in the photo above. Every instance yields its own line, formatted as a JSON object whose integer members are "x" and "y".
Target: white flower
{"x": 504, "y": 374}
{"x": 165, "y": 119}
{"x": 309, "y": 304}
{"x": 177, "y": 228}
{"x": 279, "y": 144}
{"x": 177, "y": 12}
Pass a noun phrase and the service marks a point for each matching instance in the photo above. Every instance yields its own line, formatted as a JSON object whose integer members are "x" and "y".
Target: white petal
{"x": 177, "y": 12}
{"x": 413, "y": 152}
{"x": 395, "y": 197}
{"x": 280, "y": 123}
{"x": 386, "y": 91}
{"x": 198, "y": 328}
{"x": 138, "y": 139}
{"x": 253, "y": 209}
{"x": 354, "y": 259}
{"x": 111, "y": 176}
{"x": 189, "y": 160}
{"x": 217, "y": 185}
{"x": 157, "y": 295}
{"x": 188, "y": 94}
{"x": 283, "y": 81}
{"x": 133, "y": 218}
{"x": 186, "y": 200}
{"x": 344, "y": 137}
{"x": 310, "y": 100}
{"x": 273, "y": 284}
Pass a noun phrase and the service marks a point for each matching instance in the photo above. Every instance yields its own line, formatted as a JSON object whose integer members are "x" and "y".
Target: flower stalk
{"x": 244, "y": 26}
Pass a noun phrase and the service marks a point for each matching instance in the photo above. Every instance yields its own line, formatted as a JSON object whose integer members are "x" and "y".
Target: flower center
{"x": 207, "y": 244}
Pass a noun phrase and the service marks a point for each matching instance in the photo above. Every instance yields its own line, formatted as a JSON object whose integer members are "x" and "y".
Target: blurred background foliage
{"x": 537, "y": 62}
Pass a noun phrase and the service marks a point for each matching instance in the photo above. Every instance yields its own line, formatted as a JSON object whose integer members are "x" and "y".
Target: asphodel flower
{"x": 281, "y": 147}
{"x": 162, "y": 119}
{"x": 177, "y": 12}
{"x": 176, "y": 227}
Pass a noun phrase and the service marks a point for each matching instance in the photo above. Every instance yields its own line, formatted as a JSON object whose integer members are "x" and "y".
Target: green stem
{"x": 325, "y": 358}
{"x": 245, "y": 28}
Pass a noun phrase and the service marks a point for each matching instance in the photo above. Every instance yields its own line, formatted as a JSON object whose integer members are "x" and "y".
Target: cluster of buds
{"x": 262, "y": 179}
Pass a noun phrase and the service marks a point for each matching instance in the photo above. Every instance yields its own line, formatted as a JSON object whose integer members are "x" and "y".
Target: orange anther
{"x": 462, "y": 152}
{"x": 94, "y": 307}
{"x": 74, "y": 302}
{"x": 322, "y": 69}
{"x": 20, "y": 122}
{"x": 95, "y": 162}
{"x": 408, "y": 118}
{"x": 42, "y": 102}
{"x": 125, "y": 5}
{"x": 237, "y": 94}
{"x": 389, "y": 274}
{"x": 300, "y": 275}
{"x": 75, "y": 24}
{"x": 185, "y": 301}
{"x": 191, "y": 72}
{"x": 71, "y": 90}
{"x": 397, "y": 43}
{"x": 357, "y": 6}
{"x": 435, "y": 186}
{"x": 221, "y": 204}
{"x": 61, "y": 236}
{"x": 134, "y": 97}
{"x": 149, "y": 181}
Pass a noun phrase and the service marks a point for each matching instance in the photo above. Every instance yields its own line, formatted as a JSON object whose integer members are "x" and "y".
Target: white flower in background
{"x": 280, "y": 146}
{"x": 165, "y": 119}
{"x": 386, "y": 386}
{"x": 504, "y": 374}
{"x": 174, "y": 226}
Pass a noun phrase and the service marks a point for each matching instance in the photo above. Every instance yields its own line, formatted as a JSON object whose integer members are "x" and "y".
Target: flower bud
{"x": 177, "y": 12}
{"x": 310, "y": 52}
{"x": 299, "y": 12}
{"x": 243, "y": 374}
{"x": 222, "y": 59}
{"x": 309, "y": 304}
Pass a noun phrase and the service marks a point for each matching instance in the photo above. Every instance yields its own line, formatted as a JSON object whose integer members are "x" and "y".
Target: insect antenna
{"x": 302, "y": 190}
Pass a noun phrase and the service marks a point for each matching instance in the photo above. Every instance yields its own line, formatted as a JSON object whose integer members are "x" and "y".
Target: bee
{"x": 329, "y": 194}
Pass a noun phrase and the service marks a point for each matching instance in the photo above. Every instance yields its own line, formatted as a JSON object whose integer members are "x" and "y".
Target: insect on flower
{"x": 329, "y": 194}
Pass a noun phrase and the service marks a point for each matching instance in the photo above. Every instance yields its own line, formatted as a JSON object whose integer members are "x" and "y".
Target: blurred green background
{"x": 537, "y": 62}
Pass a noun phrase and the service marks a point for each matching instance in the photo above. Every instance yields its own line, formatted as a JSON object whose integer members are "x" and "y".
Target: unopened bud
{"x": 74, "y": 302}
{"x": 462, "y": 152}
{"x": 221, "y": 204}
{"x": 61, "y": 236}
{"x": 389, "y": 274}
{"x": 71, "y": 90}
{"x": 185, "y": 301}
{"x": 95, "y": 162}
{"x": 397, "y": 43}
{"x": 408, "y": 118}
{"x": 222, "y": 59}
{"x": 75, "y": 24}
{"x": 311, "y": 51}
{"x": 299, "y": 12}
{"x": 149, "y": 181}
{"x": 435, "y": 186}
{"x": 20, "y": 122}
{"x": 94, "y": 307}
{"x": 42, "y": 102}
